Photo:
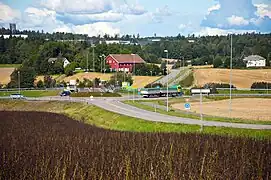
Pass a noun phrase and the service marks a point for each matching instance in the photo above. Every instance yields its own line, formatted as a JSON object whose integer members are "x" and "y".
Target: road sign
{"x": 187, "y": 106}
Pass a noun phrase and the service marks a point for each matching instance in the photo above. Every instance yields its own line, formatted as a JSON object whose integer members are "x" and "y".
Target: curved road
{"x": 115, "y": 105}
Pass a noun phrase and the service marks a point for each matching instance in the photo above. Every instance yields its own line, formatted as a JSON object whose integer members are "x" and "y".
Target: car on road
{"x": 65, "y": 93}
{"x": 17, "y": 96}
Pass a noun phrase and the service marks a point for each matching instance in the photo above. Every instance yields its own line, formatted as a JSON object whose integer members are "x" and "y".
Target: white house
{"x": 255, "y": 61}
{"x": 65, "y": 61}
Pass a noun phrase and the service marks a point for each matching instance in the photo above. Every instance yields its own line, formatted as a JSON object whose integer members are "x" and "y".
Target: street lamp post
{"x": 104, "y": 62}
{"x": 151, "y": 76}
{"x": 93, "y": 63}
{"x": 166, "y": 51}
{"x": 19, "y": 83}
{"x": 230, "y": 104}
{"x": 267, "y": 82}
{"x": 134, "y": 76}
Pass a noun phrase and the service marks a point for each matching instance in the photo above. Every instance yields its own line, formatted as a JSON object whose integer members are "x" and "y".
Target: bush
{"x": 188, "y": 81}
{"x": 40, "y": 84}
{"x": 218, "y": 85}
{"x": 261, "y": 85}
{"x": 153, "y": 85}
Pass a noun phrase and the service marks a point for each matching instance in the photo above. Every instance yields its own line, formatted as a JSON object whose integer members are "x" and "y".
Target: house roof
{"x": 254, "y": 58}
{"x": 54, "y": 59}
{"x": 127, "y": 58}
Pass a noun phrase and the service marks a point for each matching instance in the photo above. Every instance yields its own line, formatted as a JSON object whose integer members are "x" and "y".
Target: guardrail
{"x": 31, "y": 89}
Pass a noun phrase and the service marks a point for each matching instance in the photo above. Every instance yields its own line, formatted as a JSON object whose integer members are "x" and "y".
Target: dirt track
{"x": 240, "y": 78}
{"x": 243, "y": 108}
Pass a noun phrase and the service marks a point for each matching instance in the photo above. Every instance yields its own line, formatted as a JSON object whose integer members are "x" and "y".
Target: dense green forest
{"x": 33, "y": 53}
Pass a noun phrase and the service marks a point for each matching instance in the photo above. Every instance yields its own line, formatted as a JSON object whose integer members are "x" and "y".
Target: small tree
{"x": 40, "y": 84}
{"x": 218, "y": 62}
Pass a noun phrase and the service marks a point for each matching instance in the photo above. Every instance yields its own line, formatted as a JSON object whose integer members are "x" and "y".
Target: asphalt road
{"x": 115, "y": 105}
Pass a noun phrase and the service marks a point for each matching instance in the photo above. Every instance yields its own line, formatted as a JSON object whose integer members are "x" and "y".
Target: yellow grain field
{"x": 5, "y": 75}
{"x": 240, "y": 78}
{"x": 243, "y": 108}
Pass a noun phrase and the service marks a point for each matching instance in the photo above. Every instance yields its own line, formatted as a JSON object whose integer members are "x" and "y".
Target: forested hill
{"x": 35, "y": 50}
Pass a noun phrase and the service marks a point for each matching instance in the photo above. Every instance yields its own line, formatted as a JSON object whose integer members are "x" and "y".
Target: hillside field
{"x": 140, "y": 81}
{"x": 240, "y": 78}
{"x": 5, "y": 73}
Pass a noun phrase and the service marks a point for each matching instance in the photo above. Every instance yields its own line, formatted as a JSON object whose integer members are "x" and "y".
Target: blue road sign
{"x": 187, "y": 106}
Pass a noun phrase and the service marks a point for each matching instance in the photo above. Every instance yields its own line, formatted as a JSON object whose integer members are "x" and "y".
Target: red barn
{"x": 123, "y": 62}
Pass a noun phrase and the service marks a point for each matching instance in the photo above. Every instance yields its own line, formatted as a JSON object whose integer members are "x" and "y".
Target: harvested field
{"x": 203, "y": 67}
{"x": 242, "y": 108}
{"x": 240, "y": 78}
{"x": 37, "y": 145}
{"x": 140, "y": 81}
{"x": 5, "y": 75}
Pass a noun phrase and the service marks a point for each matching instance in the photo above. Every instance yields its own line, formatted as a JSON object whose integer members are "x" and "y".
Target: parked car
{"x": 17, "y": 96}
{"x": 65, "y": 93}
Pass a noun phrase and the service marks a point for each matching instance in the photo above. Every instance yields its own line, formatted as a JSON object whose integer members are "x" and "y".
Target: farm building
{"x": 123, "y": 62}
{"x": 255, "y": 61}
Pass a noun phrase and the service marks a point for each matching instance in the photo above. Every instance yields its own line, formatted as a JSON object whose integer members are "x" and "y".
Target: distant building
{"x": 191, "y": 41}
{"x": 116, "y": 42}
{"x": 64, "y": 60}
{"x": 255, "y": 61}
{"x": 123, "y": 62}
{"x": 16, "y": 35}
{"x": 12, "y": 28}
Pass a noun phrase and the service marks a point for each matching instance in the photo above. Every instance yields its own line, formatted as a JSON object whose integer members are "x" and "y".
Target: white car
{"x": 17, "y": 96}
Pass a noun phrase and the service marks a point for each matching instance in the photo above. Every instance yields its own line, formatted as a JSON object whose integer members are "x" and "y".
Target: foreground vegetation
{"x": 108, "y": 120}
{"x": 32, "y": 93}
{"x": 37, "y": 145}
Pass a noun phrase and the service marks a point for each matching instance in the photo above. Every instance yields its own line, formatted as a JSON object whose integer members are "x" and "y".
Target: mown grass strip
{"x": 32, "y": 93}
{"x": 101, "y": 118}
{"x": 10, "y": 65}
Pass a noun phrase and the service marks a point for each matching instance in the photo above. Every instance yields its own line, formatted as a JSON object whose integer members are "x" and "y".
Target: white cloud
{"x": 160, "y": 13}
{"x": 8, "y": 14}
{"x": 78, "y": 6}
{"x": 263, "y": 10}
{"x": 182, "y": 26}
{"x": 94, "y": 29}
{"x": 213, "y": 8}
{"x": 237, "y": 20}
{"x": 207, "y": 31}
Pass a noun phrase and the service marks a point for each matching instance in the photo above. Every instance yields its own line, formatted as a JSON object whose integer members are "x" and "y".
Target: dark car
{"x": 65, "y": 93}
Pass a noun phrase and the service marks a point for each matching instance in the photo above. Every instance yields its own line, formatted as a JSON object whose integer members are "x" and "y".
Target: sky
{"x": 144, "y": 17}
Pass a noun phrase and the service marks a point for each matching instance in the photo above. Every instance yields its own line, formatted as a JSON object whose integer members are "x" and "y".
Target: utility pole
{"x": 166, "y": 51}
{"x": 93, "y": 63}
{"x": 201, "y": 117}
{"x": 134, "y": 76}
{"x": 230, "y": 105}
{"x": 19, "y": 83}
{"x": 87, "y": 60}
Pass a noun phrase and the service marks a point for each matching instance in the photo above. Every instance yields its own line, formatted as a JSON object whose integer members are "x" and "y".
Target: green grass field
{"x": 10, "y": 65}
{"x": 173, "y": 112}
{"x": 108, "y": 120}
{"x": 32, "y": 93}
